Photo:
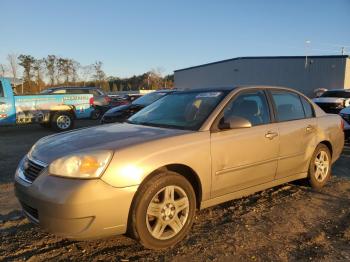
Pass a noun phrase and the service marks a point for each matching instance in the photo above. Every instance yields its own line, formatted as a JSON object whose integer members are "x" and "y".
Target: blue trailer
{"x": 56, "y": 111}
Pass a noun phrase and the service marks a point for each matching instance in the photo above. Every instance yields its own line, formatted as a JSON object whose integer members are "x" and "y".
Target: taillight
{"x": 91, "y": 101}
{"x": 342, "y": 124}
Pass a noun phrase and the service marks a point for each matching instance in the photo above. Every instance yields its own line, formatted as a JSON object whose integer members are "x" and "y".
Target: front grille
{"x": 333, "y": 108}
{"x": 32, "y": 212}
{"x": 32, "y": 169}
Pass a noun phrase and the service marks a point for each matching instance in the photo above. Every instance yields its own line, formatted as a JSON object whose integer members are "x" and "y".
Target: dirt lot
{"x": 289, "y": 222}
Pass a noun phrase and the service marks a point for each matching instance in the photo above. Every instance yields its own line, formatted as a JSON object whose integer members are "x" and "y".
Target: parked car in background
{"x": 100, "y": 100}
{"x": 188, "y": 150}
{"x": 345, "y": 114}
{"x": 123, "y": 112}
{"x": 55, "y": 110}
{"x": 332, "y": 101}
{"x": 131, "y": 97}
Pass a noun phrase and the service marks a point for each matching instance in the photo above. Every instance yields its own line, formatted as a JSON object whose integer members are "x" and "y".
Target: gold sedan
{"x": 189, "y": 150}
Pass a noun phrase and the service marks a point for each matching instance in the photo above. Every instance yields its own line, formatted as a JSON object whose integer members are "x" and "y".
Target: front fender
{"x": 131, "y": 165}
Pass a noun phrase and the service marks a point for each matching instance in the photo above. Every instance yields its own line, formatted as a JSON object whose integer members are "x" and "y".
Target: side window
{"x": 77, "y": 91}
{"x": 59, "y": 91}
{"x": 308, "y": 109}
{"x": 1, "y": 90}
{"x": 288, "y": 106}
{"x": 252, "y": 106}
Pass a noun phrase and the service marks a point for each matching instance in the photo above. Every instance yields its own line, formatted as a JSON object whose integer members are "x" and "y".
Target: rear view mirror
{"x": 234, "y": 122}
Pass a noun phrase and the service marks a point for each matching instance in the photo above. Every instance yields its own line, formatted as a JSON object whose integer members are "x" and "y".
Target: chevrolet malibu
{"x": 189, "y": 150}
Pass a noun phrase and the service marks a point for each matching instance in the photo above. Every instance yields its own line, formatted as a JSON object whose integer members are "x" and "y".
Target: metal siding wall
{"x": 291, "y": 72}
{"x": 347, "y": 74}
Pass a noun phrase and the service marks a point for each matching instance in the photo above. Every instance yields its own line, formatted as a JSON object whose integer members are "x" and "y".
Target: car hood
{"x": 106, "y": 137}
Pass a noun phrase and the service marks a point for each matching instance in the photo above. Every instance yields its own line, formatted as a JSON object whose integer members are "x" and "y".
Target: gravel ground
{"x": 288, "y": 222}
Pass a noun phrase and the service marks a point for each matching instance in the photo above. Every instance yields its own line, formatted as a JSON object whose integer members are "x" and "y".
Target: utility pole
{"x": 307, "y": 42}
{"x": 343, "y": 50}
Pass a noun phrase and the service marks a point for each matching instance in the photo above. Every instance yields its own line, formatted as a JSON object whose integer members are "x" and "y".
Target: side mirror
{"x": 234, "y": 122}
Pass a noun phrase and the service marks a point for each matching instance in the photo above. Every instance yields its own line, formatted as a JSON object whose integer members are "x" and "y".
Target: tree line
{"x": 53, "y": 70}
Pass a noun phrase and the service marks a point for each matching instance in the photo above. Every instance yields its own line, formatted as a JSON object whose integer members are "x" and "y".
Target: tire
{"x": 62, "y": 121}
{"x": 318, "y": 176}
{"x": 172, "y": 217}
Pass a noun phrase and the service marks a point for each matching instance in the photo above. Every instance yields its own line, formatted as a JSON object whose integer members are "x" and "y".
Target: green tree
{"x": 27, "y": 61}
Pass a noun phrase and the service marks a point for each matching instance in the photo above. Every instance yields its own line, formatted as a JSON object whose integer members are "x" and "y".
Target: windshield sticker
{"x": 208, "y": 94}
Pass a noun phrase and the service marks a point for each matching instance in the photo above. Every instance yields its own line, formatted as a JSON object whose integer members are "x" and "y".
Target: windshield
{"x": 341, "y": 94}
{"x": 186, "y": 110}
{"x": 149, "y": 98}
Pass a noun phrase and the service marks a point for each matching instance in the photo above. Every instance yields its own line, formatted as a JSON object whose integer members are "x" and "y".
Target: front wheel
{"x": 320, "y": 167}
{"x": 62, "y": 121}
{"x": 163, "y": 211}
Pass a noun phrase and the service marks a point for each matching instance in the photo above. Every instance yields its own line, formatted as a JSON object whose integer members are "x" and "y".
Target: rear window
{"x": 288, "y": 106}
{"x": 308, "y": 109}
{"x": 149, "y": 98}
{"x": 341, "y": 94}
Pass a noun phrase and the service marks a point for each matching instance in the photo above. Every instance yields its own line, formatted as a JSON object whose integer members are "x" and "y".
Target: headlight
{"x": 347, "y": 102}
{"x": 81, "y": 165}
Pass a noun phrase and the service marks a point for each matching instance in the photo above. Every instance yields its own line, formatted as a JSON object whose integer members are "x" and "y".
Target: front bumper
{"x": 75, "y": 208}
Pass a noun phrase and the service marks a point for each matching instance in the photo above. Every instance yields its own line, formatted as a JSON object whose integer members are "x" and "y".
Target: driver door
{"x": 245, "y": 157}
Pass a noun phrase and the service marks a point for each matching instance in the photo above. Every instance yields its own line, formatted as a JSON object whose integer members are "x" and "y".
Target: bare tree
{"x": 3, "y": 70}
{"x": 154, "y": 78}
{"x": 13, "y": 63}
{"x": 86, "y": 73}
{"x": 74, "y": 70}
{"x": 99, "y": 74}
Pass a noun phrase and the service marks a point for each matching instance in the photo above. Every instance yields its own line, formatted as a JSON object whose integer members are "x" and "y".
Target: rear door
{"x": 296, "y": 126}
{"x": 245, "y": 157}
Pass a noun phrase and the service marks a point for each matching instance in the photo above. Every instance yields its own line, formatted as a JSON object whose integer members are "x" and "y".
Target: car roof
{"x": 338, "y": 90}
{"x": 231, "y": 88}
{"x": 165, "y": 91}
{"x": 73, "y": 87}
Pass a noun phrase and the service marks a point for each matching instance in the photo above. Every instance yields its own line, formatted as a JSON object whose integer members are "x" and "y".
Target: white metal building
{"x": 305, "y": 74}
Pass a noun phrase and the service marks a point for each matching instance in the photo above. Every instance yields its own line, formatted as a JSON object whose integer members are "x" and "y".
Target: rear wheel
{"x": 62, "y": 121}
{"x": 320, "y": 167}
{"x": 163, "y": 211}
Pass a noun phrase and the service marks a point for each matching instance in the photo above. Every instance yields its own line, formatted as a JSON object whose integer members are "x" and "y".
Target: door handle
{"x": 270, "y": 135}
{"x": 309, "y": 128}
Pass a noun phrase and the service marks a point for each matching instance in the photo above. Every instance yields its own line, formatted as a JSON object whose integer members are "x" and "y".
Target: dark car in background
{"x": 123, "y": 112}
{"x": 118, "y": 100}
{"x": 101, "y": 101}
{"x": 333, "y": 101}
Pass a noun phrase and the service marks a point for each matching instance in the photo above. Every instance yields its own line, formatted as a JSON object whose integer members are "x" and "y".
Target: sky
{"x": 131, "y": 37}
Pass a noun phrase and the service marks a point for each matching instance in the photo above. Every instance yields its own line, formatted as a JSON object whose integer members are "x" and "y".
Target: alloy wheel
{"x": 63, "y": 122}
{"x": 321, "y": 166}
{"x": 167, "y": 212}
